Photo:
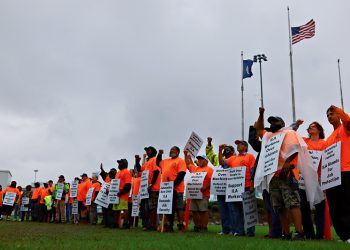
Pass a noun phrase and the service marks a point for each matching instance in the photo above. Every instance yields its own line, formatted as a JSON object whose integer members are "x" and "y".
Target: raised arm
{"x": 221, "y": 157}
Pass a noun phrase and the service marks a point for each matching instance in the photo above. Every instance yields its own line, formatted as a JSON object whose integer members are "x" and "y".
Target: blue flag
{"x": 247, "y": 68}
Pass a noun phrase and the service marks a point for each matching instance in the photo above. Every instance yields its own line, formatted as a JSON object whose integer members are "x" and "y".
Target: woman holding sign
{"x": 199, "y": 207}
{"x": 315, "y": 144}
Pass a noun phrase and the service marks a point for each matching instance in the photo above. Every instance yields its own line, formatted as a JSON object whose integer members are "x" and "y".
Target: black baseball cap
{"x": 84, "y": 175}
{"x": 275, "y": 119}
{"x": 237, "y": 142}
{"x": 123, "y": 162}
{"x": 61, "y": 176}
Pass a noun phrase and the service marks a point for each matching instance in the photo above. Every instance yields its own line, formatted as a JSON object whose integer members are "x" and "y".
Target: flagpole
{"x": 341, "y": 89}
{"x": 242, "y": 89}
{"x": 291, "y": 67}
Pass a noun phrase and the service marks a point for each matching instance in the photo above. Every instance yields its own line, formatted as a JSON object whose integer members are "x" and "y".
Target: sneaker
{"x": 8, "y": 218}
{"x": 237, "y": 234}
{"x": 1, "y": 218}
{"x": 340, "y": 241}
{"x": 299, "y": 236}
{"x": 222, "y": 233}
{"x": 286, "y": 237}
{"x": 347, "y": 241}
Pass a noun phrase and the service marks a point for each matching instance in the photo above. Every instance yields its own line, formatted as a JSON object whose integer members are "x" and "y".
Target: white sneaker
{"x": 222, "y": 233}
{"x": 347, "y": 241}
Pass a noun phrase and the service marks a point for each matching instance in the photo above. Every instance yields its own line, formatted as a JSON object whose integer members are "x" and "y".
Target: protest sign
{"x": 144, "y": 185}
{"x": 316, "y": 156}
{"x": 74, "y": 189}
{"x": 59, "y": 191}
{"x": 194, "y": 185}
{"x": 218, "y": 181}
{"x": 235, "y": 184}
{"x": 271, "y": 153}
{"x": 250, "y": 210}
{"x": 330, "y": 172}
{"x": 75, "y": 207}
{"x": 113, "y": 192}
{"x": 135, "y": 209}
{"x": 89, "y": 196}
{"x": 194, "y": 144}
{"x": 9, "y": 199}
{"x": 165, "y": 200}
{"x": 102, "y": 196}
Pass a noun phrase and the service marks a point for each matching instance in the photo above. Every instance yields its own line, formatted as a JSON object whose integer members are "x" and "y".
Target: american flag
{"x": 303, "y": 32}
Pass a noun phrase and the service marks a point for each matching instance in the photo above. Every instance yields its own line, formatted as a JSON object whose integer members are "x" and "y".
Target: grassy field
{"x": 33, "y": 235}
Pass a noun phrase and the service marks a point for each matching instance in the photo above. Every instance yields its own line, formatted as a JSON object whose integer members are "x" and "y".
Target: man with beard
{"x": 283, "y": 185}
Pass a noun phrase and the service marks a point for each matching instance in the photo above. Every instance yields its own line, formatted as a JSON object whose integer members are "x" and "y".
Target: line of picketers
{"x": 284, "y": 200}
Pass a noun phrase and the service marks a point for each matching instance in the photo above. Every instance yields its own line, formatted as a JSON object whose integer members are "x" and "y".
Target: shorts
{"x": 153, "y": 200}
{"x": 178, "y": 200}
{"x": 81, "y": 206}
{"x": 123, "y": 205}
{"x": 282, "y": 195}
{"x": 200, "y": 205}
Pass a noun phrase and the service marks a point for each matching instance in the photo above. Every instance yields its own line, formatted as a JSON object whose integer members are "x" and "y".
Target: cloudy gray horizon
{"x": 84, "y": 82}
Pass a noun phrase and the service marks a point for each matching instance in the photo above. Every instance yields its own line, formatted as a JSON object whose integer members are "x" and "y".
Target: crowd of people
{"x": 284, "y": 201}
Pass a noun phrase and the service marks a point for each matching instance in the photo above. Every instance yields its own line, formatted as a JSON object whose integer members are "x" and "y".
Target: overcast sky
{"x": 84, "y": 82}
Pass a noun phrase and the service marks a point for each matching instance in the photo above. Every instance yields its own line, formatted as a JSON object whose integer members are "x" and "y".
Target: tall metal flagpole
{"x": 291, "y": 67}
{"x": 242, "y": 89}
{"x": 341, "y": 89}
{"x": 261, "y": 86}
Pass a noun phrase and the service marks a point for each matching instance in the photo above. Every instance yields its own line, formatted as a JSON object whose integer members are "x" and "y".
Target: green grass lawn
{"x": 33, "y": 235}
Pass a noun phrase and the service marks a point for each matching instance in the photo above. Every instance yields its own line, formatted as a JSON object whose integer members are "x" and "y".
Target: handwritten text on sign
{"x": 194, "y": 144}
{"x": 75, "y": 207}
{"x": 235, "y": 184}
{"x": 59, "y": 191}
{"x": 144, "y": 185}
{"x": 113, "y": 192}
{"x": 272, "y": 151}
{"x": 218, "y": 181}
{"x": 194, "y": 185}
{"x": 24, "y": 204}
{"x": 250, "y": 210}
{"x": 135, "y": 210}
{"x": 316, "y": 158}
{"x": 89, "y": 196}
{"x": 165, "y": 200}
{"x": 102, "y": 196}
{"x": 330, "y": 172}
{"x": 74, "y": 189}
{"x": 9, "y": 199}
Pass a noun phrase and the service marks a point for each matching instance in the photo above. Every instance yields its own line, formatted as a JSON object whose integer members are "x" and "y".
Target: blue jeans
{"x": 236, "y": 209}
{"x": 276, "y": 230}
{"x": 68, "y": 212}
{"x": 16, "y": 212}
{"x": 225, "y": 215}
